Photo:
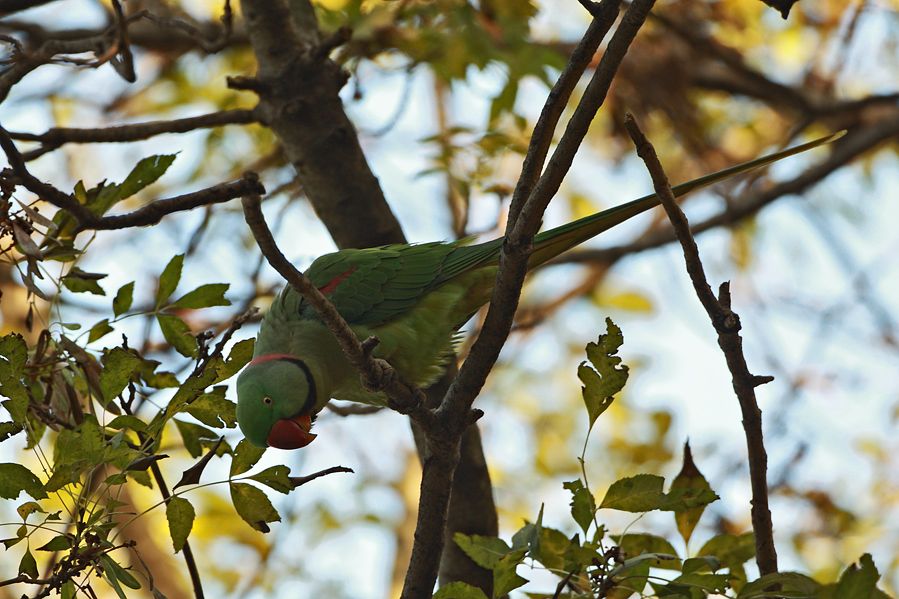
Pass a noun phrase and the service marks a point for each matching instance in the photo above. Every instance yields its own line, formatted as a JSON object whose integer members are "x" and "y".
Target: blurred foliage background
{"x": 443, "y": 94}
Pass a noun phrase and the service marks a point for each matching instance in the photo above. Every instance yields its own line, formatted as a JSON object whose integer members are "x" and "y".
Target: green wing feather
{"x": 377, "y": 285}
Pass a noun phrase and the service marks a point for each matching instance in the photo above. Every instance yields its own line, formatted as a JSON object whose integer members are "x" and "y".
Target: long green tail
{"x": 551, "y": 243}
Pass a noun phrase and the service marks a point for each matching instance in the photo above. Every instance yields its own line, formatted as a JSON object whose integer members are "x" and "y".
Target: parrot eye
{"x": 267, "y": 400}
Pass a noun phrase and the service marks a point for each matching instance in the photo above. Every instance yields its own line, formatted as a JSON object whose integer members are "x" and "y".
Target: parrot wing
{"x": 372, "y": 286}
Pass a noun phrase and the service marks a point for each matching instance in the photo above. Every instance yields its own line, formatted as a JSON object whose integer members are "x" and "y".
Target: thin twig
{"x": 377, "y": 375}
{"x": 150, "y": 214}
{"x": 727, "y": 325}
{"x": 153, "y": 212}
{"x": 55, "y": 137}
{"x": 297, "y": 481}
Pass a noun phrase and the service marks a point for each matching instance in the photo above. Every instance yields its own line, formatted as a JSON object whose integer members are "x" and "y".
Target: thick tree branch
{"x": 298, "y": 89}
{"x": 52, "y": 139}
{"x": 727, "y": 325}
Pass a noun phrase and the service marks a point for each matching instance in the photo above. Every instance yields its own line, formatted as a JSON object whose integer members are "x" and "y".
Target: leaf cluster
{"x": 594, "y": 562}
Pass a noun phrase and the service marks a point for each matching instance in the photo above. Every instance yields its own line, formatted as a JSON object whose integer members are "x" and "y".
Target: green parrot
{"x": 413, "y": 298}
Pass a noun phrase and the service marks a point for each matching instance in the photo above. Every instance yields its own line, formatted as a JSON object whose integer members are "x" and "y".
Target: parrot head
{"x": 276, "y": 397}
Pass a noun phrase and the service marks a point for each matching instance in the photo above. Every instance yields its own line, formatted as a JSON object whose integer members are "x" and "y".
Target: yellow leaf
{"x": 629, "y": 301}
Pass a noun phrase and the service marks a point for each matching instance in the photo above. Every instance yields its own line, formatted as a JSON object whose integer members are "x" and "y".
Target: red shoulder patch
{"x": 333, "y": 283}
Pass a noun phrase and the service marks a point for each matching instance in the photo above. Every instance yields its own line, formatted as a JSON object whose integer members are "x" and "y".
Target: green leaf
{"x": 689, "y": 478}
{"x": 127, "y": 421}
{"x": 15, "y": 478}
{"x": 9, "y": 429}
{"x": 121, "y": 303}
{"x": 157, "y": 380}
{"x": 484, "y": 551}
{"x": 168, "y": 280}
{"x": 710, "y": 583}
{"x": 698, "y": 564}
{"x": 144, "y": 173}
{"x": 779, "y": 585}
{"x": 858, "y": 581}
{"x": 553, "y": 549}
{"x": 679, "y": 500}
{"x": 630, "y": 578}
{"x": 730, "y": 549}
{"x": 640, "y": 493}
{"x": 79, "y": 281}
{"x": 639, "y": 544}
{"x": 609, "y": 376}
{"x": 118, "y": 366}
{"x": 99, "y": 330}
{"x": 116, "y": 576}
{"x": 240, "y": 355}
{"x": 67, "y": 591}
{"x": 245, "y": 457}
{"x": 57, "y": 543}
{"x": 212, "y": 409}
{"x": 180, "y": 514}
{"x": 583, "y": 505}
{"x": 194, "y": 435}
{"x": 13, "y": 355}
{"x": 275, "y": 477}
{"x": 204, "y": 296}
{"x": 253, "y": 506}
{"x": 505, "y": 577}
{"x": 28, "y": 565}
{"x": 178, "y": 334}
{"x": 529, "y": 536}
{"x": 459, "y": 590}
{"x": 192, "y": 475}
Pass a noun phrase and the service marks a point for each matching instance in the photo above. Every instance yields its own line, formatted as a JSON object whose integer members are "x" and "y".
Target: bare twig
{"x": 53, "y": 138}
{"x": 298, "y": 481}
{"x": 150, "y": 214}
{"x": 153, "y": 212}
{"x": 377, "y": 375}
{"x": 727, "y": 325}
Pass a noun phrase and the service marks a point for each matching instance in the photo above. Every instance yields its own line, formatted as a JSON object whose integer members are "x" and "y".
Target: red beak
{"x": 291, "y": 433}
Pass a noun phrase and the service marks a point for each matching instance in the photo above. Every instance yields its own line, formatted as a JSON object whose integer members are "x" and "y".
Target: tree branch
{"x": 55, "y": 137}
{"x": 298, "y": 481}
{"x": 376, "y": 374}
{"x": 153, "y": 212}
{"x": 298, "y": 92}
{"x": 727, "y": 325}
{"x": 150, "y": 214}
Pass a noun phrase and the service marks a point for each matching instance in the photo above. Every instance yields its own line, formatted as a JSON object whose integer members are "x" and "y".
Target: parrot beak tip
{"x": 291, "y": 433}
